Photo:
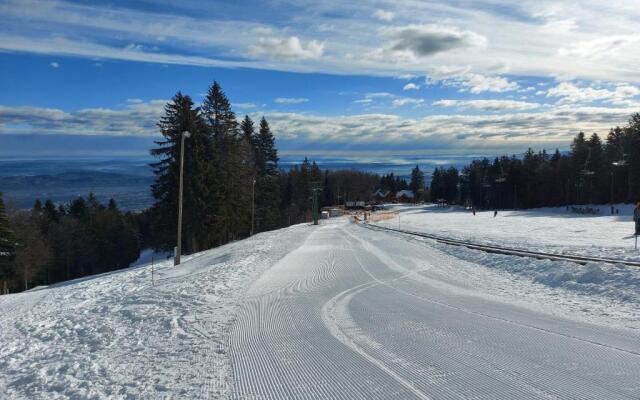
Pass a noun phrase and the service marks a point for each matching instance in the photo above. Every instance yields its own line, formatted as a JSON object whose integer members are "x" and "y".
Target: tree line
{"x": 592, "y": 172}
{"x": 50, "y": 243}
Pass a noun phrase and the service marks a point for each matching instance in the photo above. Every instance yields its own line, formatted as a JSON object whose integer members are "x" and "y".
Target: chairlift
{"x": 586, "y": 171}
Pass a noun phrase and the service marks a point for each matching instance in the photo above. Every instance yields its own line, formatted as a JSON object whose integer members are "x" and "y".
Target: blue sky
{"x": 363, "y": 79}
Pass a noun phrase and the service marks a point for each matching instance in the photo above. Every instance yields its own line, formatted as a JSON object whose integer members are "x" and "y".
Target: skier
{"x": 473, "y": 209}
{"x": 636, "y": 218}
{"x": 495, "y": 213}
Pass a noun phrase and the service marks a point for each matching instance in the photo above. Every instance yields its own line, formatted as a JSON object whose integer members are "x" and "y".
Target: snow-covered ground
{"x": 358, "y": 313}
{"x": 544, "y": 229}
{"x": 340, "y": 310}
{"x": 118, "y": 336}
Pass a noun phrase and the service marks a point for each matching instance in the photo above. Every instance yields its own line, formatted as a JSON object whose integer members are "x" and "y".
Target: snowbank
{"x": 603, "y": 294}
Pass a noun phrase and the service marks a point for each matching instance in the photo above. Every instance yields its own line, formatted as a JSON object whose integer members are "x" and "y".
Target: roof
{"x": 381, "y": 193}
{"x": 405, "y": 193}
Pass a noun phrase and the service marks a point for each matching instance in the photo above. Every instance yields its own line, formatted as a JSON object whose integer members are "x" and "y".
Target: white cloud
{"x": 384, "y": 15}
{"x": 245, "y": 105}
{"x": 411, "y": 86}
{"x": 527, "y": 89}
{"x": 54, "y": 65}
{"x": 488, "y": 105}
{"x": 478, "y": 83}
{"x": 137, "y": 119}
{"x": 549, "y": 128}
{"x": 403, "y": 101}
{"x": 571, "y": 93}
{"x": 134, "y": 101}
{"x": 290, "y": 100}
{"x": 287, "y": 48}
{"x": 603, "y": 47}
{"x": 376, "y": 95}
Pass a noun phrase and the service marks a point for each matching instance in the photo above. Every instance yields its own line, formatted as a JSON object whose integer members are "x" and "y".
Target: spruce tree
{"x": 267, "y": 183}
{"x": 231, "y": 158}
{"x": 248, "y": 130}
{"x": 180, "y": 116}
{"x": 417, "y": 182}
{"x": 7, "y": 249}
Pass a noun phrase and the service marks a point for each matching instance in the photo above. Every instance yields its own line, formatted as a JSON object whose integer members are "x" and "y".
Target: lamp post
{"x": 176, "y": 259}
{"x": 253, "y": 205}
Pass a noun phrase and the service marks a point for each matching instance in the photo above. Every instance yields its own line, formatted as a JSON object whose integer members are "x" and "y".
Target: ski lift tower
{"x": 315, "y": 203}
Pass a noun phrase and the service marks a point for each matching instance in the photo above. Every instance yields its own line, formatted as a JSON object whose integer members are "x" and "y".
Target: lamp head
{"x": 186, "y": 134}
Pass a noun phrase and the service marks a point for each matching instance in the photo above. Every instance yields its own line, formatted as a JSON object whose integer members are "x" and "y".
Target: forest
{"x": 593, "y": 171}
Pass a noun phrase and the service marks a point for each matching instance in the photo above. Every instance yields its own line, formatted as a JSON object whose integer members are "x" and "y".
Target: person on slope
{"x": 636, "y": 218}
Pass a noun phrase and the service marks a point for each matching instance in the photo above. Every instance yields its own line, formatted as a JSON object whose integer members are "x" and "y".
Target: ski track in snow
{"x": 356, "y": 313}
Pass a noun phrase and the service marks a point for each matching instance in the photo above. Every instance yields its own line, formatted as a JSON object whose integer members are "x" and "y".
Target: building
{"x": 405, "y": 196}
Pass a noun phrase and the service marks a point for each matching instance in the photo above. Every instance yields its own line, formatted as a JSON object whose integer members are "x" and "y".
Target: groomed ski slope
{"x": 332, "y": 311}
{"x": 361, "y": 314}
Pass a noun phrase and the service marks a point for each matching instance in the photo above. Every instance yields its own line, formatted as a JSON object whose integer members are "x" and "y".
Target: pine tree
{"x": 327, "y": 193}
{"x": 267, "y": 182}
{"x": 180, "y": 116}
{"x": 216, "y": 108}
{"x": 417, "y": 183}
{"x": 232, "y": 160}
{"x": 248, "y": 130}
{"x": 7, "y": 248}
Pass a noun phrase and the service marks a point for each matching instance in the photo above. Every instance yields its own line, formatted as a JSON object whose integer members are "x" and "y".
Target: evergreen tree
{"x": 327, "y": 193}
{"x": 248, "y": 130}
{"x": 216, "y": 108}
{"x": 232, "y": 160}
{"x": 180, "y": 116}
{"x": 416, "y": 185}
{"x": 268, "y": 192}
{"x": 7, "y": 248}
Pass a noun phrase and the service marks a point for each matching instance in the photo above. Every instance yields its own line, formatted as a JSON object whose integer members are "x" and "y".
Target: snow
{"x": 358, "y": 313}
{"x": 339, "y": 311}
{"x": 116, "y": 335}
{"x": 544, "y": 229}
{"x": 596, "y": 292}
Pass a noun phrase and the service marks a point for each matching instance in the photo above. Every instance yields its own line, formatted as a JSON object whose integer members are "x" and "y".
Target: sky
{"x": 359, "y": 79}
